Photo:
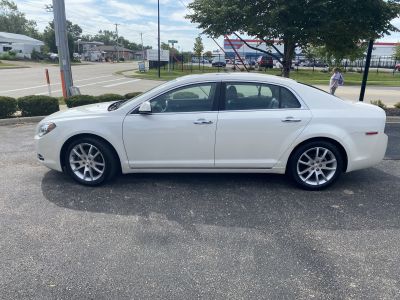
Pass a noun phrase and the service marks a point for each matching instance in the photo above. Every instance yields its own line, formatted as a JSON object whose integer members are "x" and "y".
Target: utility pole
{"x": 60, "y": 27}
{"x": 116, "y": 32}
{"x": 366, "y": 70}
{"x": 141, "y": 38}
{"x": 159, "y": 43}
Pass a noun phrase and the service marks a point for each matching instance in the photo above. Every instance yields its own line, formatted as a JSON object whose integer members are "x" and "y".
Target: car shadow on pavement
{"x": 268, "y": 204}
{"x": 243, "y": 200}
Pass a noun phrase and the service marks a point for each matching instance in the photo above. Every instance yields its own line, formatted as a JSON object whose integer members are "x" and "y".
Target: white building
{"x": 21, "y": 44}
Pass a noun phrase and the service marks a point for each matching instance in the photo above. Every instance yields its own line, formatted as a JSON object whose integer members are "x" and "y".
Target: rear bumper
{"x": 370, "y": 151}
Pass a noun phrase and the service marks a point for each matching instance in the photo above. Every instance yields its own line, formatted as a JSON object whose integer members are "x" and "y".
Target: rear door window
{"x": 251, "y": 96}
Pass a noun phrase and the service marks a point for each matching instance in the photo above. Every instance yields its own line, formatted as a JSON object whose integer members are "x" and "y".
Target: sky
{"x": 134, "y": 17}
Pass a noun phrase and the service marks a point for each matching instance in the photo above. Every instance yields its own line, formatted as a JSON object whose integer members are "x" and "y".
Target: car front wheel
{"x": 90, "y": 161}
{"x": 316, "y": 165}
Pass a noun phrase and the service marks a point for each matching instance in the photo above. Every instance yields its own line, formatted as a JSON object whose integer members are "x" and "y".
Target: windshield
{"x": 154, "y": 89}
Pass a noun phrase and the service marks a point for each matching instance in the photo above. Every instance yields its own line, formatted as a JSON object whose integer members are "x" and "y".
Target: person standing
{"x": 335, "y": 81}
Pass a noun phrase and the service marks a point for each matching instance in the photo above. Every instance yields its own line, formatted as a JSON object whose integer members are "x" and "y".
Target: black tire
{"x": 107, "y": 157}
{"x": 321, "y": 170}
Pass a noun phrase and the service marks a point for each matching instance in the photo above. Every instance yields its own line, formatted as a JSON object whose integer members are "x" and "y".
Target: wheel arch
{"x": 83, "y": 135}
{"x": 340, "y": 147}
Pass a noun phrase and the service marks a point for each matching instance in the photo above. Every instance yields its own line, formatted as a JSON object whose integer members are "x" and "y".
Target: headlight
{"x": 45, "y": 128}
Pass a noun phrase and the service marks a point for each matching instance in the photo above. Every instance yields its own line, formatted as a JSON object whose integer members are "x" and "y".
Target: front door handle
{"x": 291, "y": 120}
{"x": 202, "y": 122}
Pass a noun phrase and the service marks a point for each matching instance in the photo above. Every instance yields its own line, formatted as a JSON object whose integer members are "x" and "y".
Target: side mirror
{"x": 145, "y": 108}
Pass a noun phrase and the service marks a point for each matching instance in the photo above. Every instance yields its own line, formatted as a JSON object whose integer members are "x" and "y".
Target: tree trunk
{"x": 288, "y": 53}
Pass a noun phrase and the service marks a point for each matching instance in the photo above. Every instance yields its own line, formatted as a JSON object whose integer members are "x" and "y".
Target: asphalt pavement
{"x": 195, "y": 236}
{"x": 91, "y": 78}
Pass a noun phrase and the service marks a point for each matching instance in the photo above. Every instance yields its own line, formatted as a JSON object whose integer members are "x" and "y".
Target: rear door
{"x": 257, "y": 123}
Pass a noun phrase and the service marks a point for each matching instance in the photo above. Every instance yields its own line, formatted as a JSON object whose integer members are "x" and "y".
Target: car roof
{"x": 235, "y": 77}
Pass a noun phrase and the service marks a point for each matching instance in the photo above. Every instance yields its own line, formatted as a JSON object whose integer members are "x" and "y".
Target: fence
{"x": 191, "y": 63}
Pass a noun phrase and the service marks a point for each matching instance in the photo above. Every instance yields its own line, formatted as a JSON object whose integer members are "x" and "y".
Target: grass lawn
{"x": 305, "y": 76}
{"x": 4, "y": 65}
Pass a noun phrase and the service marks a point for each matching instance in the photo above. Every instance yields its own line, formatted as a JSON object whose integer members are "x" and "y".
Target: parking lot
{"x": 208, "y": 236}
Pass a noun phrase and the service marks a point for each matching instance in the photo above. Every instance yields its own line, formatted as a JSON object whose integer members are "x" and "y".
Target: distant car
{"x": 218, "y": 62}
{"x": 318, "y": 64}
{"x": 217, "y": 123}
{"x": 397, "y": 67}
{"x": 265, "y": 61}
{"x": 53, "y": 56}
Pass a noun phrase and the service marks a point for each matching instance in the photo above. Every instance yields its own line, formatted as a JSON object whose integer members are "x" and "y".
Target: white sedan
{"x": 242, "y": 123}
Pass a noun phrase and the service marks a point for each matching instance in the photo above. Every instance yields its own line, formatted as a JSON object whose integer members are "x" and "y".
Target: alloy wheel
{"x": 317, "y": 166}
{"x": 87, "y": 162}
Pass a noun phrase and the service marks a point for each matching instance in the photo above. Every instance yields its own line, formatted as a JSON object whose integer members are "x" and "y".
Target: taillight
{"x": 371, "y": 133}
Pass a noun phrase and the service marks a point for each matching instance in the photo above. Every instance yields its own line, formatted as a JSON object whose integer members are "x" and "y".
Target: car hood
{"x": 81, "y": 111}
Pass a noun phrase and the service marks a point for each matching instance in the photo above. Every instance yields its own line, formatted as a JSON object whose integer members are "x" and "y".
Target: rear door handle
{"x": 290, "y": 120}
{"x": 202, "y": 122}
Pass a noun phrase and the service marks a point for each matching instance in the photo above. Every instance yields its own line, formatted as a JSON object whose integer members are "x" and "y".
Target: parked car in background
{"x": 316, "y": 63}
{"x": 265, "y": 61}
{"x": 218, "y": 61}
{"x": 217, "y": 123}
{"x": 397, "y": 67}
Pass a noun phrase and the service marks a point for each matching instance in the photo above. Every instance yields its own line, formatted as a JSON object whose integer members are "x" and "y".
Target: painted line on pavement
{"x": 94, "y": 83}
{"x": 58, "y": 83}
{"x": 120, "y": 83}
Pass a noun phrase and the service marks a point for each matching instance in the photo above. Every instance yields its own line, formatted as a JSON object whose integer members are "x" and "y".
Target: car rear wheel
{"x": 90, "y": 161}
{"x": 316, "y": 165}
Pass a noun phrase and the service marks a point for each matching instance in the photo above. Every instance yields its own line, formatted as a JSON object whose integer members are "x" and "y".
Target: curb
{"x": 24, "y": 120}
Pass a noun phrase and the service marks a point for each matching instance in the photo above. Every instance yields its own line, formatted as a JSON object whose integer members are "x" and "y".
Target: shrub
{"x": 110, "y": 97}
{"x": 397, "y": 105}
{"x": 37, "y": 105}
{"x": 8, "y": 106}
{"x": 379, "y": 103}
{"x": 79, "y": 100}
{"x": 132, "y": 95}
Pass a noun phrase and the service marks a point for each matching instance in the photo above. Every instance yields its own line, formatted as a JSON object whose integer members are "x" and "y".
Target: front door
{"x": 179, "y": 133}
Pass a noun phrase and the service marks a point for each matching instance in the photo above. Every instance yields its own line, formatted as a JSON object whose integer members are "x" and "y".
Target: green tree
{"x": 198, "y": 46}
{"x": 208, "y": 54}
{"x": 338, "y": 25}
{"x": 397, "y": 52}
{"x": 49, "y": 37}
{"x": 14, "y": 21}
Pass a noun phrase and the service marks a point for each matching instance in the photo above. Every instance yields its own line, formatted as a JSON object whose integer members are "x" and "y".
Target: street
{"x": 196, "y": 236}
{"x": 92, "y": 79}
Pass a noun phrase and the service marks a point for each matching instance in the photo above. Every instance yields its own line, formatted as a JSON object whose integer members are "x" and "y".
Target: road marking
{"x": 94, "y": 83}
{"x": 45, "y": 93}
{"x": 119, "y": 83}
{"x": 58, "y": 83}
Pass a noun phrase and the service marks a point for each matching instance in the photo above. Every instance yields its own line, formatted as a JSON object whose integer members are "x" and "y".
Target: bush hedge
{"x": 8, "y": 106}
{"x": 132, "y": 95}
{"x": 397, "y": 105}
{"x": 109, "y": 97}
{"x": 80, "y": 100}
{"x": 37, "y": 105}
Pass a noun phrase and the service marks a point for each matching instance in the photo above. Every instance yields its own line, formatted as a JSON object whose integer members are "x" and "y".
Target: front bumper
{"x": 48, "y": 153}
